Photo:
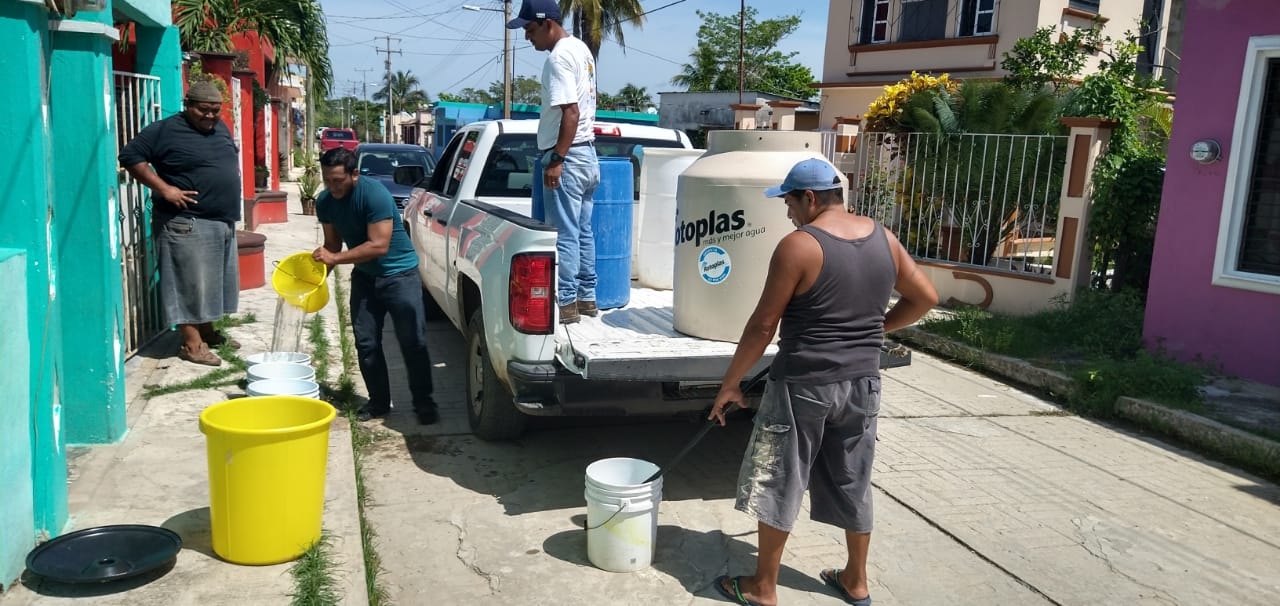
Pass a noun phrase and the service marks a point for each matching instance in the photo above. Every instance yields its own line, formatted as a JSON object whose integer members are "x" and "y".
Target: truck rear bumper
{"x": 545, "y": 389}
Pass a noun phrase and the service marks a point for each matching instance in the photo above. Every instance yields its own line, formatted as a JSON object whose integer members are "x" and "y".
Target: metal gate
{"x": 137, "y": 105}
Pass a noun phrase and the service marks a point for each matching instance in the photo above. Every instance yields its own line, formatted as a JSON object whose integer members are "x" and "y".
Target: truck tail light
{"x": 532, "y": 293}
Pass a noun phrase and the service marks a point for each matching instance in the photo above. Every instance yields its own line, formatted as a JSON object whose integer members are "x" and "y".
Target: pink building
{"x": 1215, "y": 278}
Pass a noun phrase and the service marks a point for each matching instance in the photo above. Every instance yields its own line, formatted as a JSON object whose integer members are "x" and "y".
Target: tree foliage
{"x": 1043, "y": 59}
{"x": 404, "y": 90}
{"x": 713, "y": 64}
{"x": 524, "y": 89}
{"x": 296, "y": 28}
{"x": 1128, "y": 180}
{"x": 595, "y": 21}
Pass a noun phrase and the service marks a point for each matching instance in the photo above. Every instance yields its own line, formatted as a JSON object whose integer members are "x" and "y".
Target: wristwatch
{"x": 556, "y": 158}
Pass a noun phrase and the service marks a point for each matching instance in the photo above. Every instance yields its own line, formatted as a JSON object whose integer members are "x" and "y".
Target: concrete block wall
{"x": 17, "y": 510}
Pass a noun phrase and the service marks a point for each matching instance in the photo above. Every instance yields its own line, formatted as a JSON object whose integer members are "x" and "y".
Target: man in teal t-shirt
{"x": 361, "y": 214}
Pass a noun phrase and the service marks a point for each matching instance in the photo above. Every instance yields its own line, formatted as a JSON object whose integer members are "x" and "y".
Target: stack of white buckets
{"x": 282, "y": 373}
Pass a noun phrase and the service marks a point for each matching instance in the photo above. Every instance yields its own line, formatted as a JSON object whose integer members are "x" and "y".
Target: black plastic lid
{"x": 105, "y": 553}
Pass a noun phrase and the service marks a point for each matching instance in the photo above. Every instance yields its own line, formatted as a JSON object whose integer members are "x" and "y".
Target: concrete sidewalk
{"x": 158, "y": 474}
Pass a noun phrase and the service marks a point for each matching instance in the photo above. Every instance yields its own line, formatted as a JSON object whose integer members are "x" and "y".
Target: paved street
{"x": 985, "y": 494}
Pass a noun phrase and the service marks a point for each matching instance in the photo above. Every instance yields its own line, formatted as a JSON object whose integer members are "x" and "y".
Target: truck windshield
{"x": 508, "y": 172}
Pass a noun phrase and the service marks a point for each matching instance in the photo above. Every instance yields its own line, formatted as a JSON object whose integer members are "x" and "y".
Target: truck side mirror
{"x": 409, "y": 174}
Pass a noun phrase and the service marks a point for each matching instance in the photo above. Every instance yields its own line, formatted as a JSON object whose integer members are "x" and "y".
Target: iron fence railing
{"x": 137, "y": 99}
{"x": 976, "y": 199}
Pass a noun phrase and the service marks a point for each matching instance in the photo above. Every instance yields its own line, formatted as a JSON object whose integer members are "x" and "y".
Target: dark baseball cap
{"x": 533, "y": 10}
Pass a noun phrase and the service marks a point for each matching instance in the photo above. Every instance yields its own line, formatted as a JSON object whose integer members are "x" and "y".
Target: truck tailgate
{"x": 638, "y": 343}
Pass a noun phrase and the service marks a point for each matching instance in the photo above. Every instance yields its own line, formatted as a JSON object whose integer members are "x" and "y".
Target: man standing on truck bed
{"x": 361, "y": 213}
{"x": 829, "y": 283}
{"x": 566, "y": 137}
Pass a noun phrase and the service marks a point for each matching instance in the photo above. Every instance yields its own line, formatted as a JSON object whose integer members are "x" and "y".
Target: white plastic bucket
{"x": 296, "y": 357}
{"x": 284, "y": 387}
{"x": 281, "y": 370}
{"x": 622, "y": 514}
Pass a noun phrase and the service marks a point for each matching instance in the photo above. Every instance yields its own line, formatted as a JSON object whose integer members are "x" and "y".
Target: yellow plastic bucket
{"x": 300, "y": 280}
{"x": 267, "y": 458}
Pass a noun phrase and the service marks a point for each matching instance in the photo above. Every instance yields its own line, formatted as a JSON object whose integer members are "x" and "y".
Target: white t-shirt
{"x": 568, "y": 76}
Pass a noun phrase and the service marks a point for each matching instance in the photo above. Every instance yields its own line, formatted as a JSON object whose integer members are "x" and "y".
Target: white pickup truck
{"x": 490, "y": 268}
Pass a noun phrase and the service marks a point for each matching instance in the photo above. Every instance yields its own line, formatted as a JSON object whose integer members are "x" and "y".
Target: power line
{"x": 650, "y": 11}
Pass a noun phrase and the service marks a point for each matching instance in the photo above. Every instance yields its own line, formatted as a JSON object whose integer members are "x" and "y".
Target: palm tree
{"x": 296, "y": 28}
{"x": 595, "y": 20}
{"x": 634, "y": 97}
{"x": 405, "y": 94}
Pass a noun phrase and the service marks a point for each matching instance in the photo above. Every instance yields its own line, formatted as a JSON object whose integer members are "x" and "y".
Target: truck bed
{"x": 638, "y": 343}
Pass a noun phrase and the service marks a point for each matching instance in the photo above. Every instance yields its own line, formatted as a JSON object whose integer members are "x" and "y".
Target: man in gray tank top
{"x": 829, "y": 284}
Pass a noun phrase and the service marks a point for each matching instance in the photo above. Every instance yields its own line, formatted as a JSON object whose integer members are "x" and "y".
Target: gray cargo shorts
{"x": 820, "y": 437}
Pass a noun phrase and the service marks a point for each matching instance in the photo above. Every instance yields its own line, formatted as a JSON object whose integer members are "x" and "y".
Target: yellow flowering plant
{"x": 885, "y": 113}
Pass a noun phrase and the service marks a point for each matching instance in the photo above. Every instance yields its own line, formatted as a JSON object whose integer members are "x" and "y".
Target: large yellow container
{"x": 267, "y": 458}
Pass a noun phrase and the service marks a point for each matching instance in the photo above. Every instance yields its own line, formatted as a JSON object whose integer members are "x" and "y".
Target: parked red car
{"x": 332, "y": 138}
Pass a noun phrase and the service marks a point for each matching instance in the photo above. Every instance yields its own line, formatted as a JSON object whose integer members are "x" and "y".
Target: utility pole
{"x": 390, "y": 92}
{"x": 364, "y": 96}
{"x": 507, "y": 75}
{"x": 742, "y": 43}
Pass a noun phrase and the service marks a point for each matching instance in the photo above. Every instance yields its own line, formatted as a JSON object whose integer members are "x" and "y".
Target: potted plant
{"x": 308, "y": 188}
{"x": 261, "y": 174}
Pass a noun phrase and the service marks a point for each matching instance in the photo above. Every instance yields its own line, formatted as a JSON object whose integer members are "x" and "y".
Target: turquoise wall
{"x": 86, "y": 230}
{"x": 148, "y": 13}
{"x": 160, "y": 55}
{"x": 26, "y": 216}
{"x": 17, "y": 534}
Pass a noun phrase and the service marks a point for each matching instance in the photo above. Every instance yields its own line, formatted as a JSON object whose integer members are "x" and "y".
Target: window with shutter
{"x": 977, "y": 17}
{"x": 1085, "y": 5}
{"x": 923, "y": 20}
{"x": 874, "y": 26}
{"x": 1248, "y": 249}
{"x": 1260, "y": 238}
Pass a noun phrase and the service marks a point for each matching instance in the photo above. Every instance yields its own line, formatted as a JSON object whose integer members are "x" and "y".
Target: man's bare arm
{"x": 177, "y": 197}
{"x": 916, "y": 293}
{"x": 377, "y": 245}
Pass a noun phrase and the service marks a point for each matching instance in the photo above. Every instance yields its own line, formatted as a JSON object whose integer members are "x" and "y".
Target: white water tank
{"x": 727, "y": 228}
{"x": 655, "y": 244}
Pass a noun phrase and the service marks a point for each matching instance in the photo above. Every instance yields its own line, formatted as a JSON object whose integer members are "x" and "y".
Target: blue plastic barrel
{"x": 537, "y": 212}
{"x": 611, "y": 223}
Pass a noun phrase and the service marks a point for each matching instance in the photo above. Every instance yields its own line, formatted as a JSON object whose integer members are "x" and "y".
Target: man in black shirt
{"x": 190, "y": 163}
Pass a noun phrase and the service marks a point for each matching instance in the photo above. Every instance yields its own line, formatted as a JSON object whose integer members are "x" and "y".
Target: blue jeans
{"x": 372, "y": 298}
{"x": 568, "y": 209}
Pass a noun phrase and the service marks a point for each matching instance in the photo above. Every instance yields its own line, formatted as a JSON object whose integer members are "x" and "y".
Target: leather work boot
{"x": 569, "y": 313}
{"x": 588, "y": 308}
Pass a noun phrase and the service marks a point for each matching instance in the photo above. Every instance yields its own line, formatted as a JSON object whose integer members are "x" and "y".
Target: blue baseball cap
{"x": 532, "y": 10}
{"x": 812, "y": 174}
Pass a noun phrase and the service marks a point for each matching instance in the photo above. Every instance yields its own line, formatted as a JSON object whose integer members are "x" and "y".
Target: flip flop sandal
{"x": 831, "y": 577}
{"x": 736, "y": 595}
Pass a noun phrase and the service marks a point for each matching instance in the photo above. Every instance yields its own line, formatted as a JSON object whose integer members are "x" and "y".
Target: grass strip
{"x": 313, "y": 582}
{"x": 1096, "y": 339}
{"x": 361, "y": 438}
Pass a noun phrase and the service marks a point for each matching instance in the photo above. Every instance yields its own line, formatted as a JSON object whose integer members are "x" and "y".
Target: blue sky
{"x": 449, "y": 48}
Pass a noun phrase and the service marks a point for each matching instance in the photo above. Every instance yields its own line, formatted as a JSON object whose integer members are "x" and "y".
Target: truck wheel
{"x": 491, "y": 409}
